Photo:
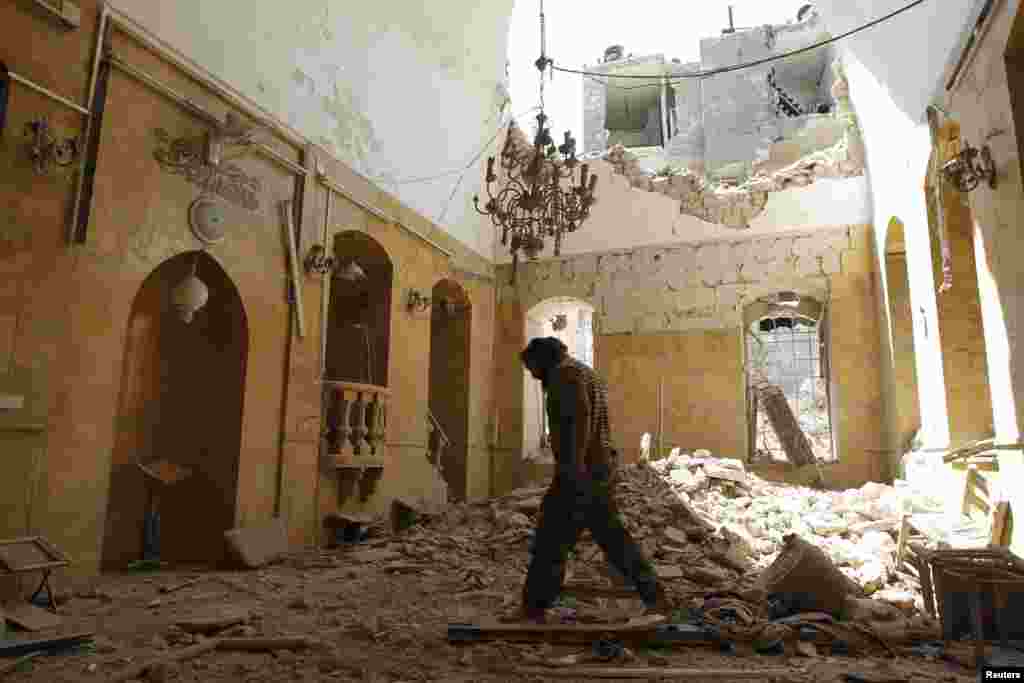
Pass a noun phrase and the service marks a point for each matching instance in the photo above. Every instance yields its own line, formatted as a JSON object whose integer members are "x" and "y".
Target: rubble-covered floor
{"x": 379, "y": 610}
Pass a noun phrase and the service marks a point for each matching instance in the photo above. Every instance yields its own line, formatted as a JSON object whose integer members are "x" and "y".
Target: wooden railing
{"x": 437, "y": 441}
{"x": 356, "y": 424}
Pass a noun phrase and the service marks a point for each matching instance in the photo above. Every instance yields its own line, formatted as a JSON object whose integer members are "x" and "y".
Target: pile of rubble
{"x": 710, "y": 528}
{"x": 856, "y": 528}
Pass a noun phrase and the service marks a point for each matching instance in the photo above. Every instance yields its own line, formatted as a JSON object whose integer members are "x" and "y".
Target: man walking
{"x": 580, "y": 497}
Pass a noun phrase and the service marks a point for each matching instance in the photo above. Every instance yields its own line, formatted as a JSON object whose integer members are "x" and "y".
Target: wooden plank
{"x": 780, "y": 415}
{"x": 1001, "y": 525}
{"x": 15, "y": 648}
{"x": 139, "y": 670}
{"x": 492, "y": 629}
{"x": 30, "y": 617}
{"x": 288, "y": 218}
{"x": 649, "y": 672}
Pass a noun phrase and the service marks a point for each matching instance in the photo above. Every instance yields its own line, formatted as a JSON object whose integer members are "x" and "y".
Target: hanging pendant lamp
{"x": 190, "y": 295}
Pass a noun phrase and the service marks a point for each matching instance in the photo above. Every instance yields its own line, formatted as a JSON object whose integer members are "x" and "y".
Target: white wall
{"x": 894, "y": 69}
{"x": 398, "y": 90}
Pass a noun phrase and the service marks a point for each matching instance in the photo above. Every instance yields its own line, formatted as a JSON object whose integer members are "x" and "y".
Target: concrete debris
{"x": 710, "y": 544}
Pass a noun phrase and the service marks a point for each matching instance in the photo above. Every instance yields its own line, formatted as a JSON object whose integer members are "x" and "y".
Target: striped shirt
{"x": 585, "y": 395}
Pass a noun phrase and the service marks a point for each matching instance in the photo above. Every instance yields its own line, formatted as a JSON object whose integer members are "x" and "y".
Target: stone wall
{"x": 675, "y": 314}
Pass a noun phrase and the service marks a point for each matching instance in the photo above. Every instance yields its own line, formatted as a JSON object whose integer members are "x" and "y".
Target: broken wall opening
{"x": 571, "y": 321}
{"x": 634, "y": 109}
{"x": 789, "y": 412}
{"x": 179, "y": 417}
{"x": 450, "y": 326}
{"x": 901, "y": 321}
{"x": 359, "y": 318}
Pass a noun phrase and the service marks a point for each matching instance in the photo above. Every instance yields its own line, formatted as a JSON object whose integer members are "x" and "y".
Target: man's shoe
{"x": 661, "y": 604}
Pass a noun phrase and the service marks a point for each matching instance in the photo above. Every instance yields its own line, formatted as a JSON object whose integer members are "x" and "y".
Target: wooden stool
{"x": 33, "y": 554}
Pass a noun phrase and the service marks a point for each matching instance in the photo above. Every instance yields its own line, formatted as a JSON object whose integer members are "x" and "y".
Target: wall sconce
{"x": 417, "y": 303}
{"x": 970, "y": 167}
{"x": 46, "y": 150}
{"x": 318, "y": 261}
{"x": 451, "y": 308}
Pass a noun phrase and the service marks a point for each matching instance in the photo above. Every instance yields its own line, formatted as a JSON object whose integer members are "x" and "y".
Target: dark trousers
{"x": 564, "y": 516}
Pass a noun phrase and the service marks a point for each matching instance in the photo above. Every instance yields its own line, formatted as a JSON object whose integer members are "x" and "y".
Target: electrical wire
{"x": 472, "y": 162}
{"x": 476, "y": 155}
{"x": 736, "y": 67}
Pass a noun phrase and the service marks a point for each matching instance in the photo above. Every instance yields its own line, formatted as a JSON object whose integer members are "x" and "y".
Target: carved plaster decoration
{"x": 206, "y": 218}
{"x": 186, "y": 157}
{"x": 46, "y": 150}
{"x": 734, "y": 206}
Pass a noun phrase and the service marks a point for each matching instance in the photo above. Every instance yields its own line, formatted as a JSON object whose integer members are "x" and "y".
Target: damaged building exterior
{"x": 303, "y": 318}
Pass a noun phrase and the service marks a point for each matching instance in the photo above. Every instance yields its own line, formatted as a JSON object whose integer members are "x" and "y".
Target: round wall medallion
{"x": 206, "y": 218}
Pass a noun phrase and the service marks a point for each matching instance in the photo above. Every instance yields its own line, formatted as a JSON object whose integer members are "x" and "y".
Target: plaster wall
{"x": 890, "y": 87}
{"x": 399, "y": 92}
{"x": 64, "y": 309}
{"x": 987, "y": 100}
{"x": 676, "y": 314}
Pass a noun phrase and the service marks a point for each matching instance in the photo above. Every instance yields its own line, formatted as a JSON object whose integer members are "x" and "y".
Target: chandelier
{"x": 534, "y": 204}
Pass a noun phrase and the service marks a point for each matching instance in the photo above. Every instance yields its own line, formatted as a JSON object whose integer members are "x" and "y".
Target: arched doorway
{"x": 450, "y": 329}
{"x": 180, "y": 418}
{"x": 787, "y": 366}
{"x": 359, "y": 317}
{"x": 572, "y": 321}
{"x": 908, "y": 407}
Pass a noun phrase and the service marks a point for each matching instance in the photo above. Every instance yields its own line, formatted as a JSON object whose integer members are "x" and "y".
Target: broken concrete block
{"x": 676, "y": 536}
{"x": 258, "y": 545}
{"x": 529, "y": 506}
{"x": 668, "y": 571}
{"x": 740, "y": 542}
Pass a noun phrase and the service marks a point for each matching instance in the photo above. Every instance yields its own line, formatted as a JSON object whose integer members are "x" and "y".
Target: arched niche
{"x": 901, "y": 328}
{"x": 451, "y": 326}
{"x": 786, "y": 345}
{"x": 179, "y": 415}
{"x": 571, "y": 320}
{"x": 359, "y": 315}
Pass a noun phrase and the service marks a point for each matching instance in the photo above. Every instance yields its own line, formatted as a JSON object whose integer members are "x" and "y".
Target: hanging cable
{"x": 476, "y": 157}
{"x": 738, "y": 67}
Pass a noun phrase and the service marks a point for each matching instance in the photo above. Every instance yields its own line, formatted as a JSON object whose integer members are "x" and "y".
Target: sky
{"x": 578, "y": 31}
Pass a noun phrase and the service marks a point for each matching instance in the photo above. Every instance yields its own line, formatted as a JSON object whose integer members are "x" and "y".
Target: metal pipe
{"x": 32, "y": 85}
{"x": 325, "y": 290}
{"x": 173, "y": 95}
{"x": 334, "y": 187}
{"x": 69, "y": 19}
{"x": 97, "y": 58}
{"x": 201, "y": 112}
